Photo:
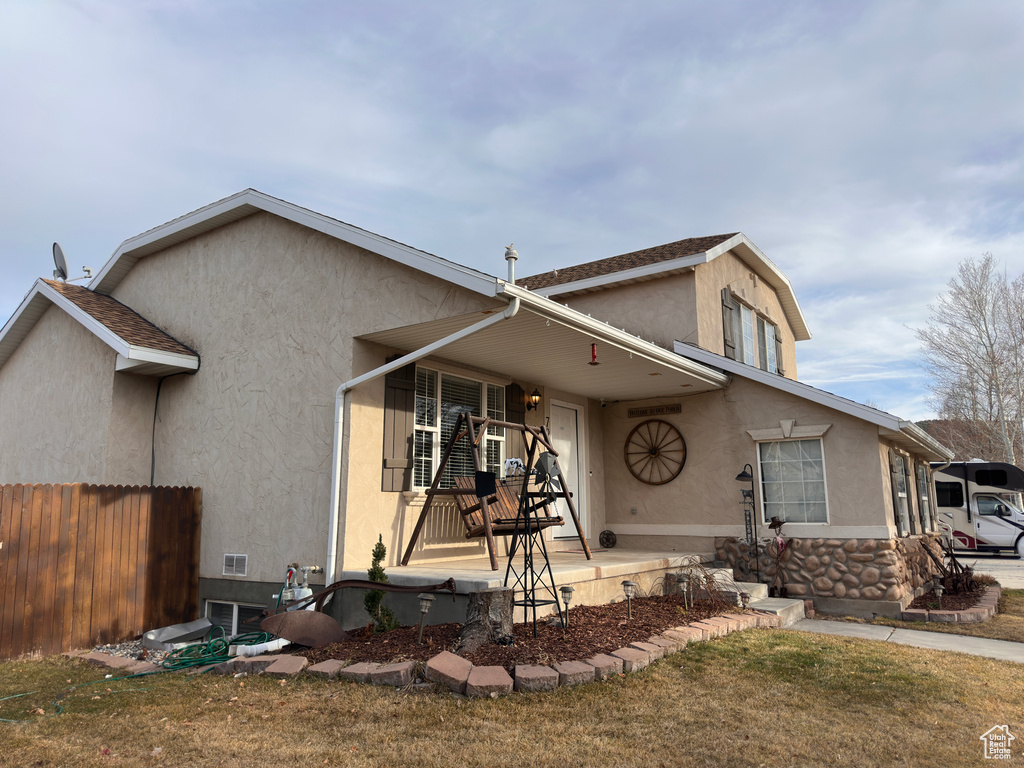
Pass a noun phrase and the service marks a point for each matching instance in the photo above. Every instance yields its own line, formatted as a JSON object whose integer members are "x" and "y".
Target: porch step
{"x": 790, "y": 610}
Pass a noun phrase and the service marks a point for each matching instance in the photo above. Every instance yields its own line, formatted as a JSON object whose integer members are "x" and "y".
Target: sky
{"x": 865, "y": 147}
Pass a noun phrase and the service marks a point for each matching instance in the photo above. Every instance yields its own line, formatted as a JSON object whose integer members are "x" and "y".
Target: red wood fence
{"x": 88, "y": 564}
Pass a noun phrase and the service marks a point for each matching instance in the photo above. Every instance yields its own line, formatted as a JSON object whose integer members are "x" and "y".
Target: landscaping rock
{"x": 632, "y": 659}
{"x": 488, "y": 681}
{"x": 530, "y": 677}
{"x": 654, "y": 652}
{"x": 287, "y": 666}
{"x": 327, "y": 669}
{"x": 574, "y": 672}
{"x": 398, "y": 674}
{"x": 449, "y": 669}
{"x": 605, "y": 666}
{"x": 358, "y": 673}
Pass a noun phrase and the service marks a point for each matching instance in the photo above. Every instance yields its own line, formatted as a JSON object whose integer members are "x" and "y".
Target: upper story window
{"x": 749, "y": 337}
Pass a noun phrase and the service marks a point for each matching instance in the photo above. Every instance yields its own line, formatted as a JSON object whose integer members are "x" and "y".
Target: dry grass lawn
{"x": 755, "y": 698}
{"x": 1007, "y": 624}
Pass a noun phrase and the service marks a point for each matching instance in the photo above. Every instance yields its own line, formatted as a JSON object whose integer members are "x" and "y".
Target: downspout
{"x": 339, "y": 417}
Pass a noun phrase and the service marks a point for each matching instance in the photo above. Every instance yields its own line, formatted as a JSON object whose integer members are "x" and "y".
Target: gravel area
{"x": 132, "y": 649}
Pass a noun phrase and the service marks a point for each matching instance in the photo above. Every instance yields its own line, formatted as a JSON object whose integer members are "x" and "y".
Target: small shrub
{"x": 383, "y": 617}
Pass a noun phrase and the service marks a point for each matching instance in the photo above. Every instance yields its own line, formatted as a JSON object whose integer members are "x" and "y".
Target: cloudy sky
{"x": 865, "y": 147}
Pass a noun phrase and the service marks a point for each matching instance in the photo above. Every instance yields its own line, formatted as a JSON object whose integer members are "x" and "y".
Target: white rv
{"x": 979, "y": 505}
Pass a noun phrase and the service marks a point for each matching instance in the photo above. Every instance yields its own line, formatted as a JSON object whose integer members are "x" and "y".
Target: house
{"x": 306, "y": 373}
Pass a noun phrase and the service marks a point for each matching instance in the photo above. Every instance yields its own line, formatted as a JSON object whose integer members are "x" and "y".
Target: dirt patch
{"x": 592, "y": 629}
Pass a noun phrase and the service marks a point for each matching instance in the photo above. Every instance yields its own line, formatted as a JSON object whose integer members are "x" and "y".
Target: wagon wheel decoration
{"x": 655, "y": 452}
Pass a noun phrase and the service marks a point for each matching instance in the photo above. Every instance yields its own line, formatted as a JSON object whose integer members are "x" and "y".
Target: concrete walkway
{"x": 938, "y": 641}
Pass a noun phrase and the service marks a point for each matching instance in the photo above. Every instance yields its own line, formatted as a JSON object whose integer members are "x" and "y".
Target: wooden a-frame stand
{"x": 495, "y": 514}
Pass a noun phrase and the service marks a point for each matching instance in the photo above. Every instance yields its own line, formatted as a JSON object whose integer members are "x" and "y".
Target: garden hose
{"x": 213, "y": 651}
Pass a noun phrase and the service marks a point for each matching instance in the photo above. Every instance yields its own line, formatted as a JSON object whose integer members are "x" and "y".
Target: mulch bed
{"x": 950, "y": 602}
{"x": 592, "y": 629}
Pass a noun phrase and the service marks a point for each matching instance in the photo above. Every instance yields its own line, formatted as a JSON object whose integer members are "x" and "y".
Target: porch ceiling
{"x": 549, "y": 346}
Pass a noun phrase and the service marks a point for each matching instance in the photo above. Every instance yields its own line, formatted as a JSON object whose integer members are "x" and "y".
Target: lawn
{"x": 754, "y": 698}
{"x": 1007, "y": 624}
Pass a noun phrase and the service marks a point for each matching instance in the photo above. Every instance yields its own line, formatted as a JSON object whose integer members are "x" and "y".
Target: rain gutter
{"x": 376, "y": 373}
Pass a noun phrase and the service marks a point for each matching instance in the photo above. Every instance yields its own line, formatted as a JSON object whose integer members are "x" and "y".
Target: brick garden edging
{"x": 983, "y": 611}
{"x": 460, "y": 676}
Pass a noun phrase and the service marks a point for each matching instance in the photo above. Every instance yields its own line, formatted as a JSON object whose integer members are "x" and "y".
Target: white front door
{"x": 565, "y": 437}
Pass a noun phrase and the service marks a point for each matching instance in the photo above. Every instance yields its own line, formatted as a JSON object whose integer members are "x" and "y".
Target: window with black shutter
{"x": 399, "y": 415}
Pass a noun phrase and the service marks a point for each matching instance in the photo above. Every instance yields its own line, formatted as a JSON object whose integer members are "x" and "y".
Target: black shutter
{"x": 515, "y": 404}
{"x": 894, "y": 480}
{"x": 399, "y": 424}
{"x": 730, "y": 321}
{"x": 778, "y": 352}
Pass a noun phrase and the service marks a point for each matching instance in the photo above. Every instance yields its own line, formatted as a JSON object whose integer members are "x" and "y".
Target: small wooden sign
{"x": 655, "y": 410}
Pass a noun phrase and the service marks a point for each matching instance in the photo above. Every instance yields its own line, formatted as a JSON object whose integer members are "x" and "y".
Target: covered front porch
{"x": 596, "y": 581}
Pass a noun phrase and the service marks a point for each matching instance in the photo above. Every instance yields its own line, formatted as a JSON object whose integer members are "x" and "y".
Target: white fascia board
{"x": 601, "y": 330}
{"x": 768, "y": 271}
{"x": 22, "y": 321}
{"x": 144, "y": 356}
{"x": 796, "y": 388}
{"x": 624, "y": 276}
{"x": 888, "y": 425}
{"x": 91, "y": 324}
{"x": 249, "y": 201}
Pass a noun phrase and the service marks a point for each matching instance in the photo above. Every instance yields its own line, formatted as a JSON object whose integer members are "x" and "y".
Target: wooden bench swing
{"x": 498, "y": 513}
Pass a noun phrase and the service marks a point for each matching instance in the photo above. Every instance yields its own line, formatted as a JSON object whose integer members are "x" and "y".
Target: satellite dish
{"x": 61, "y": 264}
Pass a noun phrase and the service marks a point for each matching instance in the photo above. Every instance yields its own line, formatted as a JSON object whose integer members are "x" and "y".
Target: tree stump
{"x": 488, "y": 618}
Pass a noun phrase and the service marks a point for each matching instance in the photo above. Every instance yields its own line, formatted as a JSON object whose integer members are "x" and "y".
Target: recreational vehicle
{"x": 979, "y": 505}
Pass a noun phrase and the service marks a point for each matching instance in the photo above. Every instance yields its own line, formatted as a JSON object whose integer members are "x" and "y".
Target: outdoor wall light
{"x": 750, "y": 514}
{"x": 425, "y": 601}
{"x": 533, "y": 400}
{"x": 629, "y": 587}
{"x": 566, "y": 591}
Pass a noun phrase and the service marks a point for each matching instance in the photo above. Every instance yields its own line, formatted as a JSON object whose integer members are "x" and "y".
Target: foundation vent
{"x": 236, "y": 565}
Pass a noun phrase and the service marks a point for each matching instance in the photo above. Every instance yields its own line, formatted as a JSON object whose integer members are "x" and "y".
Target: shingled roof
{"x": 119, "y": 319}
{"x": 677, "y": 250}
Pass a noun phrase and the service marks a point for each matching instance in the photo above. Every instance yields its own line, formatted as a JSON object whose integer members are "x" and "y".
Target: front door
{"x": 565, "y": 437}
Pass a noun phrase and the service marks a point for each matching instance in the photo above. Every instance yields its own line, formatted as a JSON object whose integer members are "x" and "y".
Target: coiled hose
{"x": 213, "y": 651}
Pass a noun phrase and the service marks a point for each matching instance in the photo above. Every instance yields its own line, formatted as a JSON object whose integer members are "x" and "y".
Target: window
{"x": 924, "y": 499}
{"x": 996, "y": 477}
{"x": 793, "y": 481}
{"x": 440, "y": 399}
{"x": 232, "y": 616}
{"x": 949, "y": 494}
{"x": 989, "y": 505}
{"x": 900, "y": 499}
{"x": 749, "y": 337}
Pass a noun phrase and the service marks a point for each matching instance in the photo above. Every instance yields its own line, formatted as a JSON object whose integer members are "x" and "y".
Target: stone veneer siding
{"x": 893, "y": 570}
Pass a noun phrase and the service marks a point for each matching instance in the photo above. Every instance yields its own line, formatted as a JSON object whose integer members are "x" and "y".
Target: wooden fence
{"x": 88, "y": 564}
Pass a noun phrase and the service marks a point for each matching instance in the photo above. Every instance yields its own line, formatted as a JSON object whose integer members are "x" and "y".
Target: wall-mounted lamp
{"x": 750, "y": 513}
{"x": 533, "y": 400}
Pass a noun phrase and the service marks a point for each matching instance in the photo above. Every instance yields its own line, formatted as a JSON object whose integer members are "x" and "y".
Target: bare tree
{"x": 974, "y": 346}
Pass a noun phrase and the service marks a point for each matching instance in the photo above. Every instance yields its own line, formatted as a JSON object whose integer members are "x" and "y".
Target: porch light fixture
{"x": 425, "y": 601}
{"x": 629, "y": 587}
{"x": 750, "y": 511}
{"x": 566, "y": 591}
{"x": 533, "y": 400}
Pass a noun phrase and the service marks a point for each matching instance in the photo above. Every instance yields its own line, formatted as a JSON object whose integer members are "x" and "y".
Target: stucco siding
{"x": 704, "y": 500}
{"x": 272, "y": 307}
{"x": 56, "y": 394}
{"x": 660, "y": 311}
{"x": 729, "y": 271}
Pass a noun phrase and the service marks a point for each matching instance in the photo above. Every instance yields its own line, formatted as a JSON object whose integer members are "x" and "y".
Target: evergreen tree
{"x": 383, "y": 617}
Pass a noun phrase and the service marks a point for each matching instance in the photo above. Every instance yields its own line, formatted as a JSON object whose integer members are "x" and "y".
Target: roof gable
{"x": 662, "y": 260}
{"x": 141, "y": 346}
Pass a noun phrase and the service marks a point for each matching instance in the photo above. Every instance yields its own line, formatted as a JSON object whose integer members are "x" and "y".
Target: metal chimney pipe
{"x": 510, "y": 257}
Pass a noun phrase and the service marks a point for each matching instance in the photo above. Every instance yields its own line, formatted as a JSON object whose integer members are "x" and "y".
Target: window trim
{"x": 824, "y": 475}
{"x": 737, "y": 317}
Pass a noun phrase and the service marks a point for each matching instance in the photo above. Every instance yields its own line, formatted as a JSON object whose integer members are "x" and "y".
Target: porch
{"x": 597, "y": 581}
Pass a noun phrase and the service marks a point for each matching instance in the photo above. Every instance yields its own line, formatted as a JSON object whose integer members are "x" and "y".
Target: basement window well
{"x": 231, "y": 616}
